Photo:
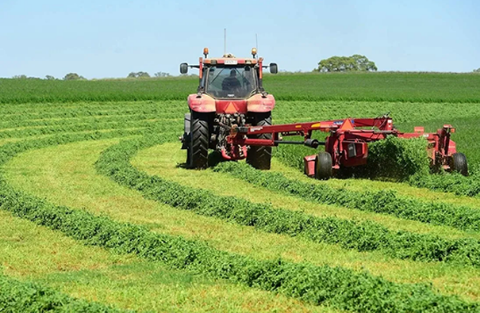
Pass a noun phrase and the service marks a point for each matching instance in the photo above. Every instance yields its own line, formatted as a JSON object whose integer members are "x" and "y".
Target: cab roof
{"x": 230, "y": 61}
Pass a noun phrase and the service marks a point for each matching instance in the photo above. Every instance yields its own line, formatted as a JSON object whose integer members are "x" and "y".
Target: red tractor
{"x": 230, "y": 94}
{"x": 231, "y": 113}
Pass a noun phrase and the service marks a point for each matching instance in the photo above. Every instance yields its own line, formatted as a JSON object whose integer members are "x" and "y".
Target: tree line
{"x": 354, "y": 63}
{"x": 75, "y": 76}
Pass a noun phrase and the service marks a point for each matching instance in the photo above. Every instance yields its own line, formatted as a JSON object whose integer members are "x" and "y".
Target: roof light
{"x": 254, "y": 52}
{"x": 205, "y": 51}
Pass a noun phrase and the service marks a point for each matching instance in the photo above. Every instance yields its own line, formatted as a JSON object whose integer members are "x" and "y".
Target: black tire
{"x": 197, "y": 154}
{"x": 323, "y": 166}
{"x": 458, "y": 163}
{"x": 260, "y": 157}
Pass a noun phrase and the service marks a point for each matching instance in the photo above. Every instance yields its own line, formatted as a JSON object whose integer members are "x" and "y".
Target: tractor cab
{"x": 229, "y": 77}
{"x": 229, "y": 94}
{"x": 238, "y": 81}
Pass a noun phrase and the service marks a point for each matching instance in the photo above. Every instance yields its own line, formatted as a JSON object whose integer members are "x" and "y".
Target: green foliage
{"x": 24, "y": 77}
{"x": 376, "y": 87}
{"x": 292, "y": 155}
{"x": 358, "y": 86}
{"x": 364, "y": 64}
{"x": 16, "y": 296}
{"x": 464, "y": 117}
{"x": 398, "y": 158}
{"x": 76, "y": 128}
{"x": 73, "y": 76}
{"x": 365, "y": 236}
{"x": 384, "y": 201}
{"x": 138, "y": 75}
{"x": 140, "y": 120}
{"x": 44, "y": 91}
{"x": 338, "y": 287}
{"x": 43, "y": 113}
{"x": 477, "y": 70}
{"x": 161, "y": 74}
{"x": 353, "y": 63}
{"x": 450, "y": 182}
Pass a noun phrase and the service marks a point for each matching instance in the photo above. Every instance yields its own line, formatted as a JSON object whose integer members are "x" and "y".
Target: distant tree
{"x": 49, "y": 77}
{"x": 73, "y": 76}
{"x": 353, "y": 63}
{"x": 477, "y": 70}
{"x": 143, "y": 75}
{"x": 161, "y": 74}
{"x": 363, "y": 63}
{"x": 138, "y": 75}
{"x": 20, "y": 77}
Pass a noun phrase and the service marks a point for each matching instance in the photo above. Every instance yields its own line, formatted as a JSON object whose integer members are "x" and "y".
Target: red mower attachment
{"x": 347, "y": 143}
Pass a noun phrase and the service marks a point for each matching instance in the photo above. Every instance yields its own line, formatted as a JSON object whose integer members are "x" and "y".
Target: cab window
{"x": 230, "y": 81}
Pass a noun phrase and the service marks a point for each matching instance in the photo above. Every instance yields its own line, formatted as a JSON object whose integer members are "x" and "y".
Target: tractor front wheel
{"x": 197, "y": 152}
{"x": 323, "y": 166}
{"x": 458, "y": 163}
{"x": 260, "y": 156}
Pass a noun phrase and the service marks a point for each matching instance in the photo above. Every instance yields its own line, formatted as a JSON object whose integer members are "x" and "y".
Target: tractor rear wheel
{"x": 458, "y": 163}
{"x": 323, "y": 166}
{"x": 260, "y": 156}
{"x": 197, "y": 152}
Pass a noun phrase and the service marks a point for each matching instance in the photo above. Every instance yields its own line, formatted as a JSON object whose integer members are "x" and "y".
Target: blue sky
{"x": 111, "y": 38}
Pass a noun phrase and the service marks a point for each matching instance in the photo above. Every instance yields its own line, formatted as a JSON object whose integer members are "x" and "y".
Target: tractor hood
{"x": 207, "y": 104}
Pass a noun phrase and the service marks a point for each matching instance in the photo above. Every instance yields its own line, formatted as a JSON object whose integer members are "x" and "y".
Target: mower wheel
{"x": 197, "y": 152}
{"x": 323, "y": 166}
{"x": 260, "y": 156}
{"x": 458, "y": 163}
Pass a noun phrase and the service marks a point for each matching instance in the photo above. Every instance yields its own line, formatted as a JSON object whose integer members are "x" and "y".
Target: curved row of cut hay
{"x": 353, "y": 292}
{"x": 287, "y": 111}
{"x": 455, "y": 183}
{"x": 79, "y": 128}
{"x": 88, "y": 110}
{"x": 338, "y": 287}
{"x": 365, "y": 236}
{"x": 86, "y": 120}
{"x": 382, "y": 201}
{"x": 16, "y": 296}
{"x": 403, "y": 168}
{"x": 124, "y": 286}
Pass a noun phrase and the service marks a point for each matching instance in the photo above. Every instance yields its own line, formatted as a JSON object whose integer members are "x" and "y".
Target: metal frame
{"x": 347, "y": 141}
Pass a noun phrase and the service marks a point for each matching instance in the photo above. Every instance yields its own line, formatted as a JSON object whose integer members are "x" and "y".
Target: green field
{"x": 98, "y": 213}
{"x": 371, "y": 87}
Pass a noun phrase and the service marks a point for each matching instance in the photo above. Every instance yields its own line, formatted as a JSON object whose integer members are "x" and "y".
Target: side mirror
{"x": 183, "y": 68}
{"x": 273, "y": 68}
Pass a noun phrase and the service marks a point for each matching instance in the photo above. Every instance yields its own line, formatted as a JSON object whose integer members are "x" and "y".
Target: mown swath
{"x": 339, "y": 287}
{"x": 445, "y": 182}
{"x": 16, "y": 296}
{"x": 456, "y": 183}
{"x": 383, "y": 201}
{"x": 365, "y": 236}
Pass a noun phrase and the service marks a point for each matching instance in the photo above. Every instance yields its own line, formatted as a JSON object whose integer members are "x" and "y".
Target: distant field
{"x": 396, "y": 87}
{"x": 98, "y": 213}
